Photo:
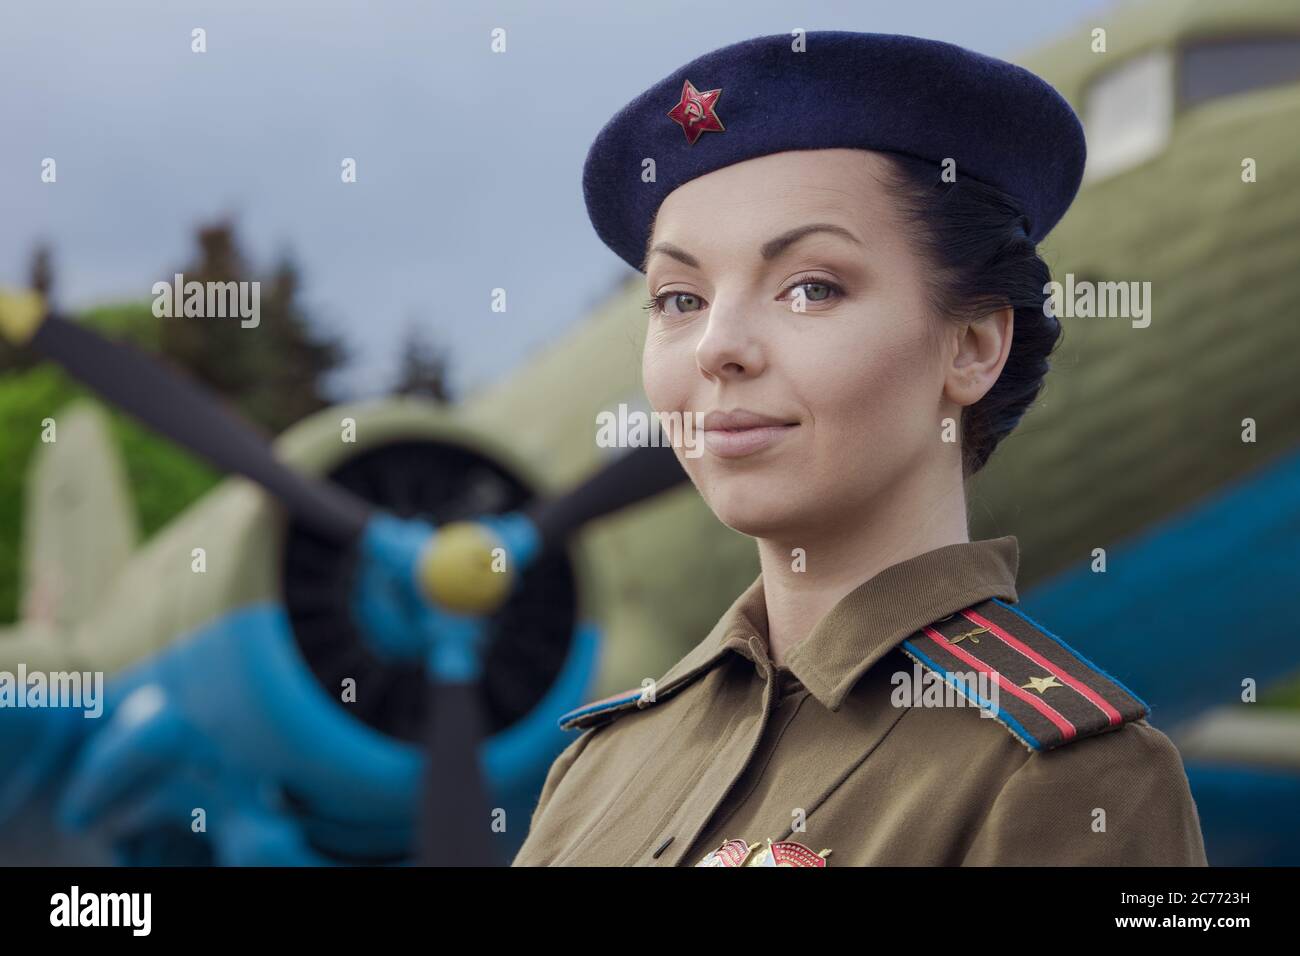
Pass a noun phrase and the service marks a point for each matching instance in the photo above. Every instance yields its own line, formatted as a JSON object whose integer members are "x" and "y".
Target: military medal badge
{"x": 731, "y": 853}
{"x": 780, "y": 853}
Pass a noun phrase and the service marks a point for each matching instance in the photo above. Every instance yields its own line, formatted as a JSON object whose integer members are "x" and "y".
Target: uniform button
{"x": 662, "y": 846}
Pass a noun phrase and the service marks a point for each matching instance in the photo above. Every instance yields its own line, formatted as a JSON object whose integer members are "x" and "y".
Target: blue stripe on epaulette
{"x": 586, "y": 709}
{"x": 1015, "y": 726}
{"x": 1029, "y": 620}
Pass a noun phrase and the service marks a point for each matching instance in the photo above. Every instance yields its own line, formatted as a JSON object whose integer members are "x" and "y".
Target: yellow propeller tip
{"x": 465, "y": 569}
{"x": 21, "y": 314}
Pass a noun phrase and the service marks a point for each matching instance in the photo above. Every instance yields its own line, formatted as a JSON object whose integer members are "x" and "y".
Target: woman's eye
{"x": 814, "y": 290}
{"x": 675, "y": 303}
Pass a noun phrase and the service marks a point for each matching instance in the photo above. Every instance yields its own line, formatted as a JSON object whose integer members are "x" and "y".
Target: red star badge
{"x": 694, "y": 114}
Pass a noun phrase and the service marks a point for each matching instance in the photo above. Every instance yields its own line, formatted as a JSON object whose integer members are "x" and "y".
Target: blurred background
{"x": 1175, "y": 447}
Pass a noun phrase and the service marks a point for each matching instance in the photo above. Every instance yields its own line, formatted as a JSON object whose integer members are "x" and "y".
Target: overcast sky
{"x": 469, "y": 162}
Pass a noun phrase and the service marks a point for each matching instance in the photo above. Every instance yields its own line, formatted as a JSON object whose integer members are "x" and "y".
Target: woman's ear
{"x": 982, "y": 349}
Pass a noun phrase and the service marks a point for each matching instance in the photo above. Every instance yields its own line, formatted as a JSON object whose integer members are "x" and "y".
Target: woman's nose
{"x": 730, "y": 346}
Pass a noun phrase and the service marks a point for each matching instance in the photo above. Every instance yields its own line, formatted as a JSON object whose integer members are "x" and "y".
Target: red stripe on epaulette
{"x": 1047, "y": 694}
{"x": 1067, "y": 729}
{"x": 1100, "y": 702}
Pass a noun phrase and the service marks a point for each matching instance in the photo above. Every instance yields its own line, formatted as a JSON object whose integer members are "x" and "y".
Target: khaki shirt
{"x": 845, "y": 753}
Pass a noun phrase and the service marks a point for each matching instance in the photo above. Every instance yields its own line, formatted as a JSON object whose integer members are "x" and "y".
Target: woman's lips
{"x": 738, "y": 442}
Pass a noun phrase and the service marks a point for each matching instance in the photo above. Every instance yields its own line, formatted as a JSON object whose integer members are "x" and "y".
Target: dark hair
{"x": 976, "y": 238}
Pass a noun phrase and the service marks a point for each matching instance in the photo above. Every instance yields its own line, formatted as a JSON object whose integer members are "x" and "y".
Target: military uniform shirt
{"x": 832, "y": 754}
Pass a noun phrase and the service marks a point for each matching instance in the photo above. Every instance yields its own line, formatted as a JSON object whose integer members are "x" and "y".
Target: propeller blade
{"x": 454, "y": 819}
{"x": 454, "y": 816}
{"x": 193, "y": 418}
{"x": 640, "y": 474}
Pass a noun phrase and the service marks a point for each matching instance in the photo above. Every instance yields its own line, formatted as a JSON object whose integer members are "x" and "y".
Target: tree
{"x": 40, "y": 274}
{"x": 423, "y": 366}
{"x": 272, "y": 372}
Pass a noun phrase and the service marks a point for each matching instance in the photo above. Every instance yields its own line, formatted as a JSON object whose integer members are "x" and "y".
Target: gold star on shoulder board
{"x": 1041, "y": 684}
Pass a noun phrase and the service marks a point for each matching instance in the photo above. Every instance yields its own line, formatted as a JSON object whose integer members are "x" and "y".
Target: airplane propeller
{"x": 455, "y": 576}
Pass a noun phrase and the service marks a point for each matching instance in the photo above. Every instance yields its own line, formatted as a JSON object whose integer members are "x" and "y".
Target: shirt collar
{"x": 866, "y": 623}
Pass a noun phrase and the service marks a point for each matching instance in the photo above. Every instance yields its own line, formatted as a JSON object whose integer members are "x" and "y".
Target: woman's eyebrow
{"x": 774, "y": 247}
{"x": 668, "y": 249}
{"x": 770, "y": 249}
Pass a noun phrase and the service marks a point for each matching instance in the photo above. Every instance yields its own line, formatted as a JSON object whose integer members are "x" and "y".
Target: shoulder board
{"x": 699, "y": 661}
{"x": 604, "y": 710}
{"x": 607, "y": 709}
{"x": 1040, "y": 689}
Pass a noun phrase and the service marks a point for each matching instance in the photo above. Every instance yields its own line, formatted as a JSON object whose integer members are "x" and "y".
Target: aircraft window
{"x": 1215, "y": 68}
{"x": 1128, "y": 113}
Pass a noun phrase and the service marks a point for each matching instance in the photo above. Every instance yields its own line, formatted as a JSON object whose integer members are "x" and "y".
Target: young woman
{"x": 838, "y": 233}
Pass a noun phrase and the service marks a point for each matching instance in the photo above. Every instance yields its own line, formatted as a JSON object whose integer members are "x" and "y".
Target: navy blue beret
{"x": 1002, "y": 125}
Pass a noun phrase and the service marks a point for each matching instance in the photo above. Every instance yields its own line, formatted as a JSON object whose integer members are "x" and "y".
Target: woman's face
{"x": 849, "y": 391}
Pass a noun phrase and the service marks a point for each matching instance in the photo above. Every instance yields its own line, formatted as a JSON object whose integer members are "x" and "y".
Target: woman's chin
{"x": 756, "y": 518}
